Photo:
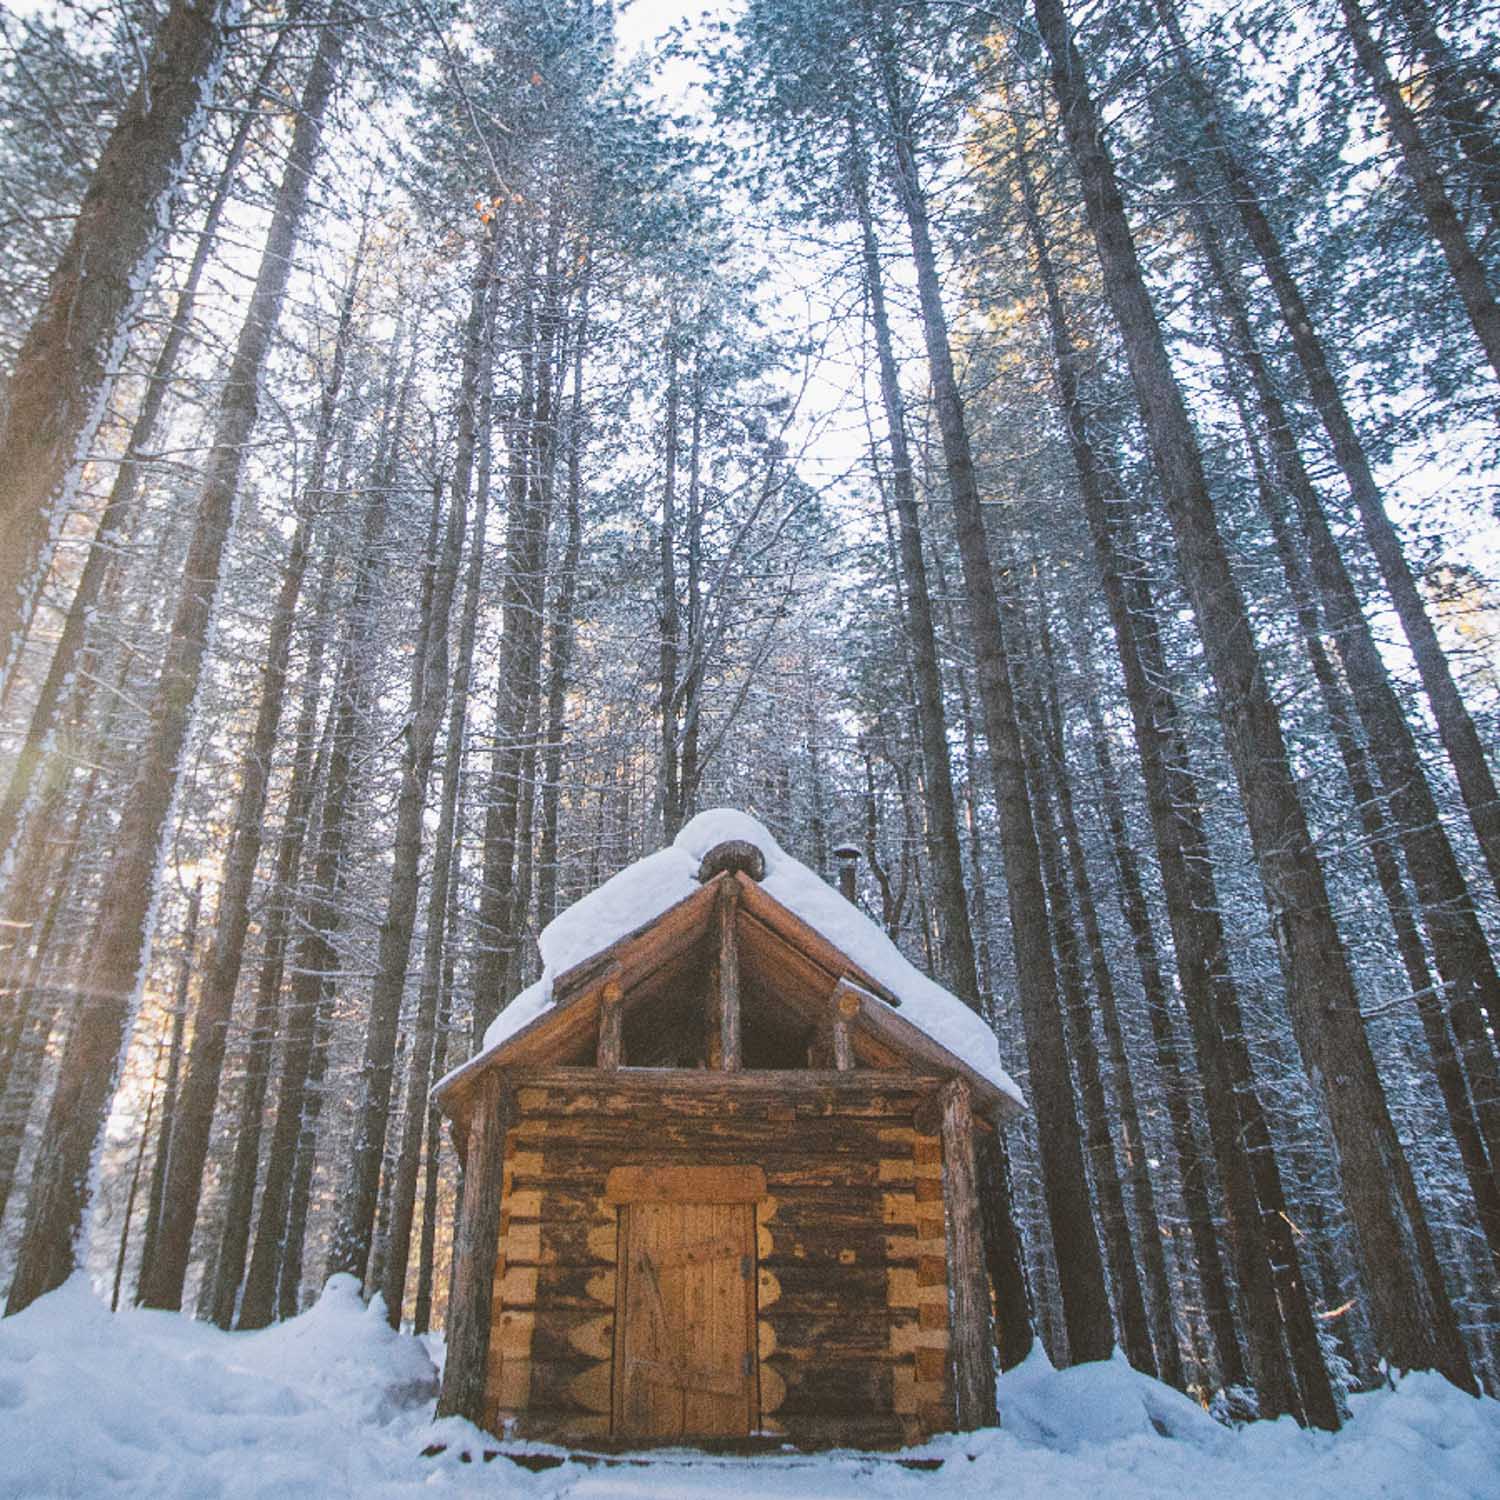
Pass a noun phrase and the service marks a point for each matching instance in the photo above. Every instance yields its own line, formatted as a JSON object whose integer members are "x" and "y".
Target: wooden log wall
{"x": 852, "y": 1281}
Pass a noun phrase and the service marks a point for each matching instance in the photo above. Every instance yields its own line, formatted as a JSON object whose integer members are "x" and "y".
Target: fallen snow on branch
{"x": 150, "y": 1404}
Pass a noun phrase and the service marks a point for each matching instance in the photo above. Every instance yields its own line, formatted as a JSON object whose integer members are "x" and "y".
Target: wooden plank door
{"x": 685, "y": 1321}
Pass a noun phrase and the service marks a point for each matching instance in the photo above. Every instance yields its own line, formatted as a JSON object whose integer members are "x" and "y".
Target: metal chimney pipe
{"x": 848, "y": 857}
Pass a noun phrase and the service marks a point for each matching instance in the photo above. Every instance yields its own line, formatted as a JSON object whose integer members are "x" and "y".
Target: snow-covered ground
{"x": 335, "y": 1404}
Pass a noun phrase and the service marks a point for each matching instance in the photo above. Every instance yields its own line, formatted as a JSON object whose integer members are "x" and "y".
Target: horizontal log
{"x": 538, "y": 1198}
{"x": 851, "y": 1290}
{"x": 831, "y": 1336}
{"x": 572, "y": 1334}
{"x": 547, "y": 1287}
{"x": 773, "y": 1085}
{"x": 812, "y": 1207}
{"x": 815, "y": 1135}
{"x": 812, "y": 1430}
{"x": 850, "y": 1210}
{"x": 577, "y": 1243}
{"x": 579, "y": 1166}
{"x": 544, "y": 1425}
{"x": 834, "y": 1388}
{"x": 751, "y": 1118}
{"x": 570, "y": 1384}
{"x": 661, "y": 1183}
{"x": 869, "y": 1244}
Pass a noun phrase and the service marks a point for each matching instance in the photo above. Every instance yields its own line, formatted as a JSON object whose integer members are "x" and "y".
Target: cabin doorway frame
{"x": 686, "y": 1333}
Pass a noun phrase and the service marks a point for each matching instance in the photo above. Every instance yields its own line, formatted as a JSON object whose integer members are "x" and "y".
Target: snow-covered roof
{"x": 652, "y": 886}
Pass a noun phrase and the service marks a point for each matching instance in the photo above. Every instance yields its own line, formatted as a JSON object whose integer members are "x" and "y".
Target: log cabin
{"x": 718, "y": 1173}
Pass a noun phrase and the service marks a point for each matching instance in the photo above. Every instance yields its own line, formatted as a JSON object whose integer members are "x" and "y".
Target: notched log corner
{"x": 733, "y": 855}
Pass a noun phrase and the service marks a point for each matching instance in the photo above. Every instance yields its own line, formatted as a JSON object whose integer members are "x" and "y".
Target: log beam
{"x": 611, "y": 1048}
{"x": 846, "y": 1006}
{"x": 972, "y": 1340}
{"x": 723, "y": 1009}
{"x": 478, "y": 1238}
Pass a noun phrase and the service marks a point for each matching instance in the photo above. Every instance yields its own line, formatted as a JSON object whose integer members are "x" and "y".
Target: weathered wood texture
{"x": 470, "y": 1296}
{"x": 684, "y": 1362}
{"x": 661, "y": 1184}
{"x": 847, "y": 1300}
{"x": 722, "y": 1042}
{"x": 973, "y": 1340}
{"x": 610, "y": 1051}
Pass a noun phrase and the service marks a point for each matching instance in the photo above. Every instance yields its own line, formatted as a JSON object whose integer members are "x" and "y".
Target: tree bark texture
{"x": 163, "y": 1284}
{"x": 101, "y": 561}
{"x": 1426, "y": 178}
{"x": 1075, "y": 1240}
{"x": 1456, "y": 728}
{"x": 1459, "y": 946}
{"x": 1197, "y": 940}
{"x": 155, "y": 1198}
{"x": 477, "y": 1240}
{"x": 351, "y": 1240}
{"x": 1413, "y": 1314}
{"x": 316, "y": 961}
{"x": 58, "y": 389}
{"x": 522, "y": 612}
{"x": 121, "y": 944}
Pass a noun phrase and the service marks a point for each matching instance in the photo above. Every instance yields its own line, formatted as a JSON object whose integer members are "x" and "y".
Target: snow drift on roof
{"x": 643, "y": 891}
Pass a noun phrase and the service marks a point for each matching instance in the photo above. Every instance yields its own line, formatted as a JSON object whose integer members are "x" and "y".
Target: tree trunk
{"x": 1455, "y": 727}
{"x": 1426, "y": 177}
{"x": 671, "y": 621}
{"x": 299, "y": 1193}
{"x": 103, "y": 557}
{"x": 91, "y": 1060}
{"x": 422, "y": 1309}
{"x": 1198, "y": 941}
{"x": 955, "y": 936}
{"x": 162, "y": 1284}
{"x": 426, "y": 1050}
{"x": 560, "y": 648}
{"x": 36, "y": 1000}
{"x": 239, "y": 1200}
{"x": 1075, "y": 1241}
{"x": 1192, "y": 1165}
{"x": 150, "y": 1241}
{"x": 60, "y": 383}
{"x": 1413, "y": 1315}
{"x": 522, "y": 610}
{"x": 1148, "y": 1227}
{"x": 351, "y": 1239}
{"x": 130, "y": 1197}
{"x": 1130, "y": 1301}
{"x": 1458, "y": 943}
{"x": 1448, "y": 77}
{"x": 316, "y": 962}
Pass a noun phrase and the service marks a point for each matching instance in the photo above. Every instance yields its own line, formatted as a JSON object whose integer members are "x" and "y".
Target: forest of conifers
{"x": 1049, "y": 445}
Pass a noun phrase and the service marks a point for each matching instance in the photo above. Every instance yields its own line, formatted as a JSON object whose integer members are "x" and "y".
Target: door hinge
{"x": 746, "y": 1266}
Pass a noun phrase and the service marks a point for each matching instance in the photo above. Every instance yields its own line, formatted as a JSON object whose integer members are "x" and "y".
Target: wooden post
{"x": 972, "y": 1341}
{"x": 611, "y": 1026}
{"x": 477, "y": 1241}
{"x": 846, "y": 1006}
{"x": 723, "y": 1017}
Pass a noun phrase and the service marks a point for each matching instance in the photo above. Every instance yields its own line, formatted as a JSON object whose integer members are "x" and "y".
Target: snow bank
{"x": 154, "y": 1406}
{"x": 1098, "y": 1403}
{"x": 655, "y": 884}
